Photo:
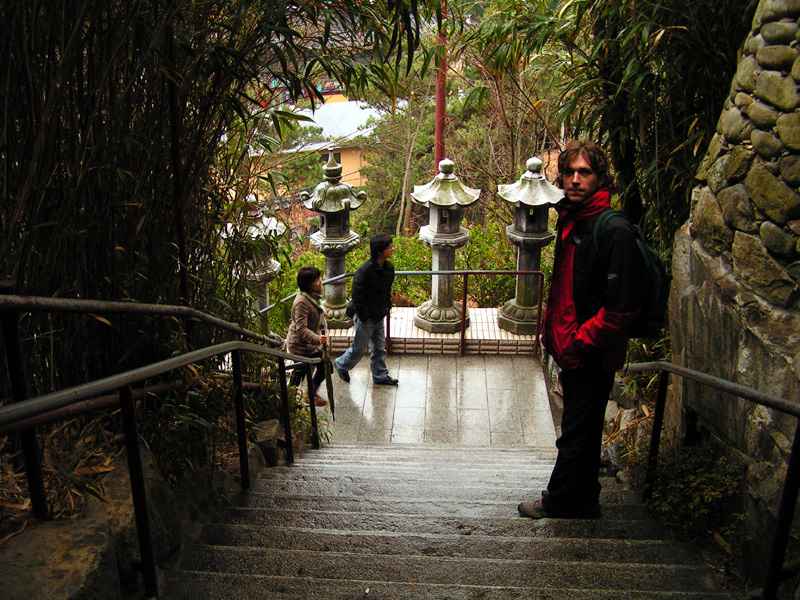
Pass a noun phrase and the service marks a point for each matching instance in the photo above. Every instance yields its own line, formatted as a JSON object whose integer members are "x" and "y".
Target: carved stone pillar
{"x": 532, "y": 197}
{"x": 445, "y": 197}
{"x": 334, "y": 200}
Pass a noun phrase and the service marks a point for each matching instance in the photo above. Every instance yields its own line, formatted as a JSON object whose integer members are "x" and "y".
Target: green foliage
{"x": 410, "y": 254}
{"x": 692, "y": 489}
{"x": 194, "y": 429}
{"x": 644, "y": 78}
{"x": 184, "y": 428}
{"x": 488, "y": 249}
{"x": 400, "y": 157}
{"x": 132, "y": 125}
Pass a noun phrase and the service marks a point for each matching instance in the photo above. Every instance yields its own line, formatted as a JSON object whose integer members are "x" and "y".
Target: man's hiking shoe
{"x": 343, "y": 375}
{"x": 387, "y": 381}
{"x": 532, "y": 510}
{"x": 536, "y": 510}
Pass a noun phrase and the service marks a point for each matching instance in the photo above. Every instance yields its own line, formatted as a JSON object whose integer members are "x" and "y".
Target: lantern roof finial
{"x": 532, "y": 189}
{"x": 445, "y": 189}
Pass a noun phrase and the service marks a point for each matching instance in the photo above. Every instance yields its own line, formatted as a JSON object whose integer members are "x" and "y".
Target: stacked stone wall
{"x": 735, "y": 303}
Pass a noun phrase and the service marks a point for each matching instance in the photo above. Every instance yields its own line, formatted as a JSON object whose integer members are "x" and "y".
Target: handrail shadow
{"x": 776, "y": 570}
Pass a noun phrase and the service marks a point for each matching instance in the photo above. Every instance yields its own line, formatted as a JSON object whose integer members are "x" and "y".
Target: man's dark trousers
{"x": 574, "y": 485}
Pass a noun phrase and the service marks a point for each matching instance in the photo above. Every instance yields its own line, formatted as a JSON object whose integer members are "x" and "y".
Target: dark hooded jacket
{"x": 595, "y": 292}
{"x": 372, "y": 290}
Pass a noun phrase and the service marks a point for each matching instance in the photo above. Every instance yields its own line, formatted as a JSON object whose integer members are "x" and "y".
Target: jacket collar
{"x": 593, "y": 205}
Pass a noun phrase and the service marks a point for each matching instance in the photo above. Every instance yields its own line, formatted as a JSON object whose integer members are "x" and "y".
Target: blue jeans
{"x": 366, "y": 331}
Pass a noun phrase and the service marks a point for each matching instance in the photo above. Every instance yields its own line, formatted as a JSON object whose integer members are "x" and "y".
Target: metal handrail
{"x": 791, "y": 486}
{"x": 70, "y": 305}
{"x": 24, "y": 410}
{"x": 18, "y": 411}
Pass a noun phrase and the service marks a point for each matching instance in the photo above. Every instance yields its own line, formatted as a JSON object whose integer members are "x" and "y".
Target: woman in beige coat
{"x": 307, "y": 328}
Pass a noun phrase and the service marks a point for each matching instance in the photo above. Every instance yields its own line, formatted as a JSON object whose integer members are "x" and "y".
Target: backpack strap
{"x": 601, "y": 221}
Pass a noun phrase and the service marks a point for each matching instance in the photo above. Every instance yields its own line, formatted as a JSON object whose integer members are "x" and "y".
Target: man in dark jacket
{"x": 372, "y": 300}
{"x": 595, "y": 293}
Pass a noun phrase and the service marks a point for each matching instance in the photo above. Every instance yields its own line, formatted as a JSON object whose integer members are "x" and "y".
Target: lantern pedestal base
{"x": 336, "y": 316}
{"x": 440, "y": 319}
{"x": 519, "y": 320}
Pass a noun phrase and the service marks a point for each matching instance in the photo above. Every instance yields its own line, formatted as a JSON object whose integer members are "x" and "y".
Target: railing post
{"x": 20, "y": 392}
{"x": 463, "y": 316}
{"x": 655, "y": 437}
{"x": 783, "y": 525}
{"x": 285, "y": 415}
{"x": 540, "y": 276}
{"x": 138, "y": 491}
{"x": 312, "y": 405}
{"x": 241, "y": 428}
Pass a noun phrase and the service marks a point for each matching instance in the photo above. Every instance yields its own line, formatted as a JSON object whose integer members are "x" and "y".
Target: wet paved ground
{"x": 485, "y": 400}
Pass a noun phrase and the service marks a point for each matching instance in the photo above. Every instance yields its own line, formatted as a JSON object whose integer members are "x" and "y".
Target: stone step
{"x": 478, "y": 572}
{"x": 429, "y": 522}
{"x": 451, "y": 546}
{"x": 422, "y": 452}
{"x": 511, "y": 526}
{"x": 618, "y": 504}
{"x": 466, "y": 474}
{"x": 230, "y": 586}
{"x": 351, "y": 486}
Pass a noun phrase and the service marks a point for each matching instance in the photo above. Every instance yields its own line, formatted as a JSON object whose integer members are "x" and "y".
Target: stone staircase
{"x": 424, "y": 521}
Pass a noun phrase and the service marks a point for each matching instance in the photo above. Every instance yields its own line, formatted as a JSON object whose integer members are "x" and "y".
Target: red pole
{"x": 441, "y": 80}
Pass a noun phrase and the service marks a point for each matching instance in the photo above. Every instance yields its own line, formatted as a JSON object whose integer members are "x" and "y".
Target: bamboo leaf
{"x": 101, "y": 319}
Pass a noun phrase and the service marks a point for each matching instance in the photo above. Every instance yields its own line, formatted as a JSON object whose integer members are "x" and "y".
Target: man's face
{"x": 389, "y": 252}
{"x": 580, "y": 181}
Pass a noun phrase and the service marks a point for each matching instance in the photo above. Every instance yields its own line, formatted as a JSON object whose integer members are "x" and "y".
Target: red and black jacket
{"x": 595, "y": 291}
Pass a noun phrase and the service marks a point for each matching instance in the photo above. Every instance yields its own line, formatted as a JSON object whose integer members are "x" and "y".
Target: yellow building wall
{"x": 352, "y": 163}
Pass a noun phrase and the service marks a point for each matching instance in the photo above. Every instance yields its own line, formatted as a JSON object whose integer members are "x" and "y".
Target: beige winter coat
{"x": 308, "y": 321}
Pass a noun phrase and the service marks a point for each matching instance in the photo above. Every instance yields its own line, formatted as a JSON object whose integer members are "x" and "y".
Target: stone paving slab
{"x": 471, "y": 400}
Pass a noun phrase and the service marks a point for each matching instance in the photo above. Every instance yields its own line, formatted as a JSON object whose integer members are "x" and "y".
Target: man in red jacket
{"x": 595, "y": 293}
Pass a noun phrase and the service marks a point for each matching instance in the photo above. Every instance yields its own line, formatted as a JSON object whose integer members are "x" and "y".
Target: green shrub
{"x": 488, "y": 249}
{"x": 692, "y": 488}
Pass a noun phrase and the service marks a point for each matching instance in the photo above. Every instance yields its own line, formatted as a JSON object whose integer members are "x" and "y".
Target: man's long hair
{"x": 596, "y": 158}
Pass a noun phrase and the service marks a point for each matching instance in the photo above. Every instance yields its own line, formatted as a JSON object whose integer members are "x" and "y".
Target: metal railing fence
{"x": 776, "y": 571}
{"x": 23, "y": 414}
{"x": 465, "y": 274}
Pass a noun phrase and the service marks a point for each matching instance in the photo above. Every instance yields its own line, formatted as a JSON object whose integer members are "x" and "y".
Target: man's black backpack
{"x": 655, "y": 291}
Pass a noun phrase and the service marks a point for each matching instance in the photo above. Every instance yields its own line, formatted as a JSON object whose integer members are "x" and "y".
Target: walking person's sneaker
{"x": 387, "y": 381}
{"x": 343, "y": 375}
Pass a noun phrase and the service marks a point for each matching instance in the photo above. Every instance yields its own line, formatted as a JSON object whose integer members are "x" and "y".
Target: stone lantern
{"x": 334, "y": 200}
{"x": 445, "y": 197}
{"x": 532, "y": 196}
{"x": 264, "y": 227}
